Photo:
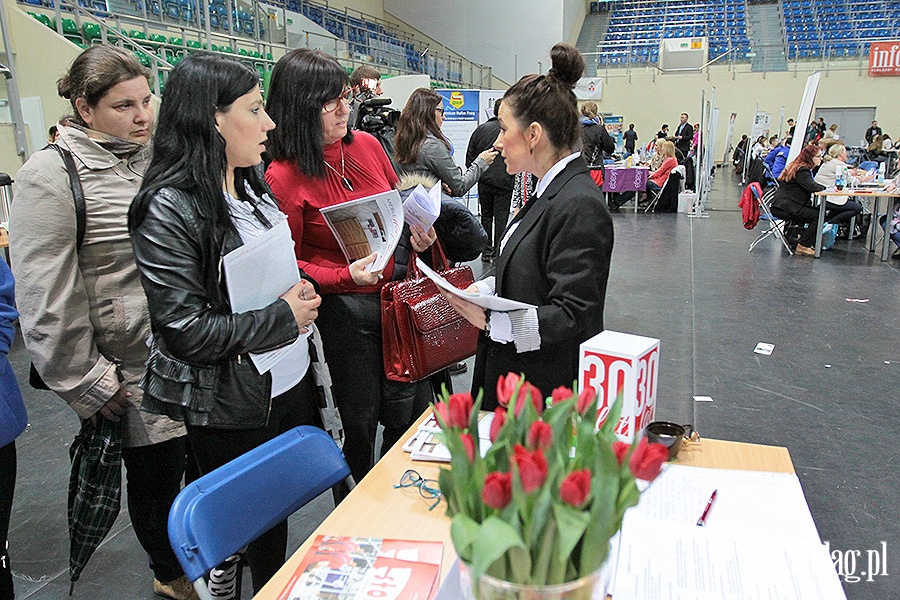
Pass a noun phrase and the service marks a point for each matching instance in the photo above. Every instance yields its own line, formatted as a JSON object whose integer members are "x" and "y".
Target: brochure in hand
{"x": 351, "y": 568}
{"x": 423, "y": 207}
{"x": 367, "y": 225}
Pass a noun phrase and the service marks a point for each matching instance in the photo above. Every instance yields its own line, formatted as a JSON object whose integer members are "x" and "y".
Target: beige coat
{"x": 83, "y": 313}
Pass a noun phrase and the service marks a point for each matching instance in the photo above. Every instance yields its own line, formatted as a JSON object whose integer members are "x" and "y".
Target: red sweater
{"x": 662, "y": 173}
{"x": 301, "y": 196}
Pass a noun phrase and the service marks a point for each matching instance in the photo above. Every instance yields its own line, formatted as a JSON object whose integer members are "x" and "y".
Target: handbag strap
{"x": 439, "y": 261}
{"x": 77, "y": 193}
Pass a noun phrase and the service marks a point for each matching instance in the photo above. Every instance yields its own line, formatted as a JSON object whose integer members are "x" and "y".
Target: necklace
{"x": 344, "y": 181}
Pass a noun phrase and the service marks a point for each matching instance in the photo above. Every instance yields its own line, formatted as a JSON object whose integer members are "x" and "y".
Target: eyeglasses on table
{"x": 428, "y": 488}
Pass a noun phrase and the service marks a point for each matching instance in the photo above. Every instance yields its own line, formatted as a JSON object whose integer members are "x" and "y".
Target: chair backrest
{"x": 223, "y": 511}
{"x": 868, "y": 165}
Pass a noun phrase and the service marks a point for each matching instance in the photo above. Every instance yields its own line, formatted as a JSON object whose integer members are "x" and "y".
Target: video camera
{"x": 375, "y": 114}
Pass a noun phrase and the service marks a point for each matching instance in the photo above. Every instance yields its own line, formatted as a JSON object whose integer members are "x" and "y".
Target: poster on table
{"x": 461, "y": 108}
{"x": 486, "y": 101}
{"x": 614, "y": 128}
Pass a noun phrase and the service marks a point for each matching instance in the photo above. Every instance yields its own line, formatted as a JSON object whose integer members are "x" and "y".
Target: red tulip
{"x": 560, "y": 394}
{"x": 621, "y": 449}
{"x": 584, "y": 400}
{"x": 647, "y": 460}
{"x": 536, "y": 399}
{"x": 469, "y": 445}
{"x": 576, "y": 488}
{"x": 540, "y": 436}
{"x": 460, "y": 410}
{"x": 532, "y": 467}
{"x": 497, "y": 490}
{"x": 506, "y": 385}
{"x": 443, "y": 411}
{"x": 497, "y": 423}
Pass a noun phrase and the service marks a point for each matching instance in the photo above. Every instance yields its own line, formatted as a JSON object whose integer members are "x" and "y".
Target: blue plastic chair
{"x": 223, "y": 511}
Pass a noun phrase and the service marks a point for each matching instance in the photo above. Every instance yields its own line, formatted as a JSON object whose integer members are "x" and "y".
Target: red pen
{"x": 701, "y": 522}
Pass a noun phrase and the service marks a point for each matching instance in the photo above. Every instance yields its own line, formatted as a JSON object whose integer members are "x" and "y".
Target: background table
{"x": 878, "y": 195}
{"x": 625, "y": 179}
{"x": 375, "y": 509}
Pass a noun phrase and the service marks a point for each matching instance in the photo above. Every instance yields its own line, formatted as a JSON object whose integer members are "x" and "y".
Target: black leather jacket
{"x": 198, "y": 369}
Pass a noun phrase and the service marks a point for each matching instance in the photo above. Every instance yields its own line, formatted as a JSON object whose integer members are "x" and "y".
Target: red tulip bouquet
{"x": 541, "y": 506}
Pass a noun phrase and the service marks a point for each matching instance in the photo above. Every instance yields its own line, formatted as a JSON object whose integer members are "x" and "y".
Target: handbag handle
{"x": 437, "y": 258}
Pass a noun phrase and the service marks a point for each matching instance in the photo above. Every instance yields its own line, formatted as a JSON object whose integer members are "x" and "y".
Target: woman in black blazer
{"x": 556, "y": 251}
{"x": 792, "y": 200}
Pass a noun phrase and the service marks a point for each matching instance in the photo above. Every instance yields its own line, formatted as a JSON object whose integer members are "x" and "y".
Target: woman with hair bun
{"x": 555, "y": 254}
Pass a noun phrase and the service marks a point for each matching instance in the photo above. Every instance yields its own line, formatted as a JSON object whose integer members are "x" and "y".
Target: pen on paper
{"x": 701, "y": 522}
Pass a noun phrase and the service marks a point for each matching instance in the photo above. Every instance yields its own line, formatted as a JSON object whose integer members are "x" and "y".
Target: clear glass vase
{"x": 590, "y": 587}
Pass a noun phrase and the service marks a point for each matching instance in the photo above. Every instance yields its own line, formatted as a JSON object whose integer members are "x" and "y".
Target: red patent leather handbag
{"x": 421, "y": 332}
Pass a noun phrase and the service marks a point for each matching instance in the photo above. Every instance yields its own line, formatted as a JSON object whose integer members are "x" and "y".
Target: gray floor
{"x": 829, "y": 392}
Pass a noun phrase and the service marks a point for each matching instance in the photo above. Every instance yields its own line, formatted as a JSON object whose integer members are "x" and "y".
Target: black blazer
{"x": 687, "y": 138}
{"x": 557, "y": 259}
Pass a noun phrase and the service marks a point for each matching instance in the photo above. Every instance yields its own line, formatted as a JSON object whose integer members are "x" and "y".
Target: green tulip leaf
{"x": 571, "y": 523}
{"x": 494, "y": 539}
{"x": 464, "y": 531}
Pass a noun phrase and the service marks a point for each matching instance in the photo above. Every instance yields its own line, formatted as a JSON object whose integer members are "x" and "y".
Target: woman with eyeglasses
{"x": 793, "y": 198}
{"x": 421, "y": 148}
{"x": 201, "y": 198}
{"x": 317, "y": 162}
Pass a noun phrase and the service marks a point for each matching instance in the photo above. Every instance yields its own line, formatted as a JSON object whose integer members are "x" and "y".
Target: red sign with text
{"x": 616, "y": 363}
{"x": 884, "y": 59}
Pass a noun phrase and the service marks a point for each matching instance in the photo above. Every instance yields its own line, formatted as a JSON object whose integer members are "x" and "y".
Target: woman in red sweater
{"x": 658, "y": 179}
{"x": 318, "y": 162}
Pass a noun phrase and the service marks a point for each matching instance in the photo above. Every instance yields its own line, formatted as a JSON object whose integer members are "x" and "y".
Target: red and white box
{"x": 612, "y": 362}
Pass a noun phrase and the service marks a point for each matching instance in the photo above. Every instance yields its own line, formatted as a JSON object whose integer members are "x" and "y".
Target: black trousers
{"x": 494, "y": 203}
{"x": 842, "y": 213}
{"x": 7, "y": 487}
{"x": 351, "y": 336}
{"x": 801, "y": 215}
{"x": 213, "y": 447}
{"x": 153, "y": 479}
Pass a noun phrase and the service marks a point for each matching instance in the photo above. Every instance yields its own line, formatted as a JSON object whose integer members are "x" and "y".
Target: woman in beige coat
{"x": 83, "y": 310}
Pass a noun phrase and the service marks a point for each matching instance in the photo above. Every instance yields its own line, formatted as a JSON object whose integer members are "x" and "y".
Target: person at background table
{"x": 83, "y": 311}
{"x": 631, "y": 137}
{"x": 202, "y": 198}
{"x": 420, "y": 147}
{"x": 776, "y": 159}
{"x": 792, "y": 200}
{"x": 759, "y": 148}
{"x": 495, "y": 187}
{"x": 318, "y": 162}
{"x": 596, "y": 141}
{"x": 791, "y": 127}
{"x": 875, "y": 150}
{"x": 831, "y": 133}
{"x": 658, "y": 178}
{"x": 887, "y": 143}
{"x": 895, "y": 227}
{"x": 684, "y": 135}
{"x": 840, "y": 209}
{"x": 13, "y": 420}
{"x": 663, "y": 132}
{"x": 556, "y": 252}
{"x": 872, "y": 131}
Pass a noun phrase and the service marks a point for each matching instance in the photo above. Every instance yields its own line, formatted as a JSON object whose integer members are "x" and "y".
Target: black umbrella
{"x": 95, "y": 490}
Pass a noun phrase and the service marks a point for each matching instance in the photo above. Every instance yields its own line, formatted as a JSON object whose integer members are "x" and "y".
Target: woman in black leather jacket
{"x": 201, "y": 198}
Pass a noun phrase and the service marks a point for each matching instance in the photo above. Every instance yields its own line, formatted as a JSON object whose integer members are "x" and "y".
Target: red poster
{"x": 884, "y": 59}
